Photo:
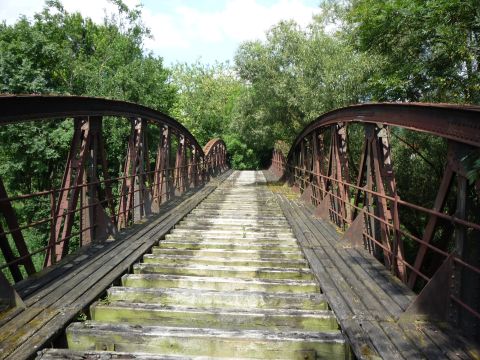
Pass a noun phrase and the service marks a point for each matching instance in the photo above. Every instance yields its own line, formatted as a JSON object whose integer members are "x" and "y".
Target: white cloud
{"x": 94, "y": 9}
{"x": 239, "y": 20}
{"x": 10, "y": 10}
{"x": 186, "y": 31}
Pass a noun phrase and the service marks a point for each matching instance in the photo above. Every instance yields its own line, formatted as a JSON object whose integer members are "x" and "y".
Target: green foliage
{"x": 63, "y": 53}
{"x": 206, "y": 98}
{"x": 296, "y": 75}
{"x": 431, "y": 48}
{"x": 355, "y": 51}
{"x": 208, "y": 105}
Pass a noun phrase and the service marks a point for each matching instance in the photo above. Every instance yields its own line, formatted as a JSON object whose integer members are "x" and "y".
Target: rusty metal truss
{"x": 90, "y": 204}
{"x": 369, "y": 207}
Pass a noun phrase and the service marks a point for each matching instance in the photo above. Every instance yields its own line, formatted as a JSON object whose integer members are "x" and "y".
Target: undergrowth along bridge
{"x": 233, "y": 263}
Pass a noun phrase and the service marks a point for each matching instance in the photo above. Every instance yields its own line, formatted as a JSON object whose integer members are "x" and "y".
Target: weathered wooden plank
{"x": 388, "y": 283}
{"x": 406, "y": 342}
{"x": 449, "y": 346}
{"x": 358, "y": 338}
{"x": 47, "y": 295}
{"x": 391, "y": 285}
{"x": 353, "y": 271}
{"x": 388, "y": 345}
{"x": 64, "y": 354}
{"x": 49, "y": 311}
{"x": 374, "y": 303}
{"x": 85, "y": 293}
{"x": 402, "y": 341}
{"x": 83, "y": 255}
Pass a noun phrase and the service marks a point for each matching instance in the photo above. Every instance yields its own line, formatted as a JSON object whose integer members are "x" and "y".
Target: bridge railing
{"x": 91, "y": 205}
{"x": 444, "y": 270}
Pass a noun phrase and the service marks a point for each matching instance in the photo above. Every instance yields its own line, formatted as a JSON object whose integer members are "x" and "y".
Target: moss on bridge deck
{"x": 367, "y": 299}
{"x": 54, "y": 297}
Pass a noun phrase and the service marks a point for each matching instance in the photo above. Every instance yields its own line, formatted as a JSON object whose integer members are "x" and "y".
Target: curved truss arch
{"x": 216, "y": 155}
{"x": 20, "y": 108}
{"x": 459, "y": 123}
{"x": 369, "y": 208}
{"x": 85, "y": 201}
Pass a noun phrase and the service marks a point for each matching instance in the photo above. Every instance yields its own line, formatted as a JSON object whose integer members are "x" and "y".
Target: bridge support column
{"x": 465, "y": 287}
{"x": 319, "y": 187}
{"x": 180, "y": 166}
{"x": 338, "y": 169}
{"x": 376, "y": 172}
{"x": 135, "y": 198}
{"x": 194, "y": 167}
{"x": 161, "y": 176}
{"x": 81, "y": 181}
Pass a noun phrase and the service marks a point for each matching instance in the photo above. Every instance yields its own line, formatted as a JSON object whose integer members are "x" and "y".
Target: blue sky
{"x": 189, "y": 30}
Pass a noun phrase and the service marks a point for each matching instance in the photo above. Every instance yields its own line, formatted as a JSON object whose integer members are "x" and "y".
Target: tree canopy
{"x": 354, "y": 51}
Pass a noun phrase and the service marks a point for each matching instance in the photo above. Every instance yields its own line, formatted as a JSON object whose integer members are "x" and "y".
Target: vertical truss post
{"x": 213, "y": 169}
{"x": 297, "y": 160}
{"x": 194, "y": 166}
{"x": 202, "y": 173}
{"x": 223, "y": 163}
{"x": 377, "y": 171}
{"x": 206, "y": 168}
{"x": 382, "y": 206}
{"x": 81, "y": 180}
{"x": 341, "y": 173}
{"x": 160, "y": 182}
{"x": 135, "y": 201}
{"x": 371, "y": 228}
{"x": 96, "y": 225}
{"x": 217, "y": 159}
{"x": 180, "y": 165}
{"x": 303, "y": 164}
{"x": 464, "y": 284}
{"x": 69, "y": 192}
{"x": 317, "y": 169}
{"x": 189, "y": 170}
{"x": 6, "y": 209}
{"x": 327, "y": 202}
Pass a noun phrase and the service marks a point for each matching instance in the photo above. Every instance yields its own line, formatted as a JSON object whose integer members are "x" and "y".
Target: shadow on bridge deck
{"x": 56, "y": 295}
{"x": 366, "y": 298}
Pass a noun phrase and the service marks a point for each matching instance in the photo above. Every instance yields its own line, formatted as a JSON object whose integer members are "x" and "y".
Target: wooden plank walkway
{"x": 229, "y": 282}
{"x": 55, "y": 296}
{"x": 366, "y": 298}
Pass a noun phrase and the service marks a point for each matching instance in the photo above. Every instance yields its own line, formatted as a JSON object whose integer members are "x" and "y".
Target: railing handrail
{"x": 372, "y": 201}
{"x": 85, "y": 196}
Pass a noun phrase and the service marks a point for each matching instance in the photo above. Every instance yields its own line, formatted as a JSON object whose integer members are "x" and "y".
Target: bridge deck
{"x": 365, "y": 297}
{"x": 228, "y": 282}
{"x": 56, "y": 296}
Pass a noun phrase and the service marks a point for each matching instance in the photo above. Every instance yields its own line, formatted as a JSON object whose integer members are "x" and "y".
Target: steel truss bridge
{"x": 172, "y": 255}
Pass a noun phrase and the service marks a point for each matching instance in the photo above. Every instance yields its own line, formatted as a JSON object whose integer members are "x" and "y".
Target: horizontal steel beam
{"x": 460, "y": 123}
{"x": 20, "y": 108}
